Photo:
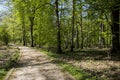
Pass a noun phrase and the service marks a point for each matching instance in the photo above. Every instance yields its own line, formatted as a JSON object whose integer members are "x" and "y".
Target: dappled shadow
{"x": 88, "y": 55}
{"x": 27, "y": 63}
{"x": 95, "y": 62}
{"x": 108, "y": 74}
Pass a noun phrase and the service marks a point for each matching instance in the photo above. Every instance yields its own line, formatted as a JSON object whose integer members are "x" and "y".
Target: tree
{"x": 19, "y": 7}
{"x": 112, "y": 7}
{"x": 59, "y": 50}
{"x": 115, "y": 27}
{"x": 73, "y": 22}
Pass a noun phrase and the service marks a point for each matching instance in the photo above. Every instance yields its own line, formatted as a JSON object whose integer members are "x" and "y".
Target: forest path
{"x": 35, "y": 65}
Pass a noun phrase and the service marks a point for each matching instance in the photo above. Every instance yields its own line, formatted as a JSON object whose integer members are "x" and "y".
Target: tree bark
{"x": 59, "y": 50}
{"x": 81, "y": 30}
{"x": 31, "y": 31}
{"x": 115, "y": 29}
{"x": 73, "y": 18}
{"x": 77, "y": 40}
{"x": 24, "y": 31}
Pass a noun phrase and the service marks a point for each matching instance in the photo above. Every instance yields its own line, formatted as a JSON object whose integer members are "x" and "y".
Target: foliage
{"x": 4, "y": 37}
{"x": 36, "y": 21}
{"x": 72, "y": 24}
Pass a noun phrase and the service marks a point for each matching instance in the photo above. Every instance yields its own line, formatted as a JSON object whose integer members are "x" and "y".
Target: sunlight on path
{"x": 36, "y": 66}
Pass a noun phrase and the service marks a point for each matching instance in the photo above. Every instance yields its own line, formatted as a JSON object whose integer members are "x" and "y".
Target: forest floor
{"x": 35, "y": 65}
{"x": 94, "y": 62}
{"x": 89, "y": 64}
{"x": 98, "y": 64}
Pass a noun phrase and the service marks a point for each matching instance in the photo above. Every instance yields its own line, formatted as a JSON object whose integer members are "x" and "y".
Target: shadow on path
{"x": 34, "y": 65}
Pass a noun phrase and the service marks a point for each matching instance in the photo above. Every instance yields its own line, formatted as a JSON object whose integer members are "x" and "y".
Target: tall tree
{"x": 22, "y": 17}
{"x": 59, "y": 50}
{"x": 115, "y": 27}
{"x": 19, "y": 7}
{"x": 73, "y": 22}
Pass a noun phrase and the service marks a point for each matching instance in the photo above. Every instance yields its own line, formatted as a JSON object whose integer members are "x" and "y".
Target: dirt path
{"x": 35, "y": 65}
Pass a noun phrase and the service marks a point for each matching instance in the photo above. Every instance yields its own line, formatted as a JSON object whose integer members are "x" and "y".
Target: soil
{"x": 34, "y": 65}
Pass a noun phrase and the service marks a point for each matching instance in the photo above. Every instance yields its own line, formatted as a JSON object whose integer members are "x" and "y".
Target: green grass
{"x": 76, "y": 72}
{"x": 3, "y": 72}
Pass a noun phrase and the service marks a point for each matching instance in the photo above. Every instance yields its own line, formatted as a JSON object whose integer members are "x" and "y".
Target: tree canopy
{"x": 61, "y": 25}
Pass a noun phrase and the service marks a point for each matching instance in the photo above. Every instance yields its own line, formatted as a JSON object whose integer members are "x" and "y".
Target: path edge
{"x": 12, "y": 70}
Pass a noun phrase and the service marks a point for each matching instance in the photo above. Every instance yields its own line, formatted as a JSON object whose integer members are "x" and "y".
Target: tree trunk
{"x": 73, "y": 18}
{"x": 31, "y": 31}
{"x": 77, "y": 40}
{"x": 24, "y": 31}
{"x": 115, "y": 29}
{"x": 82, "y": 38}
{"x": 13, "y": 35}
{"x": 101, "y": 36}
{"x": 59, "y": 50}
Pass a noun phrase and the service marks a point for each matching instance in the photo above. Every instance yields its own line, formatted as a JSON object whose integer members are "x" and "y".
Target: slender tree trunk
{"x": 24, "y": 31}
{"x": 107, "y": 28}
{"x": 39, "y": 37}
{"x": 81, "y": 30}
{"x": 82, "y": 38}
{"x": 24, "y": 36}
{"x": 115, "y": 29}
{"x": 88, "y": 35}
{"x": 100, "y": 36}
{"x": 13, "y": 35}
{"x": 77, "y": 40}
{"x": 73, "y": 19}
{"x": 59, "y": 50}
{"x": 31, "y": 31}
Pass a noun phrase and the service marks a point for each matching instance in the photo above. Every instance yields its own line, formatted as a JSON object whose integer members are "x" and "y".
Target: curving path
{"x": 35, "y": 65}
